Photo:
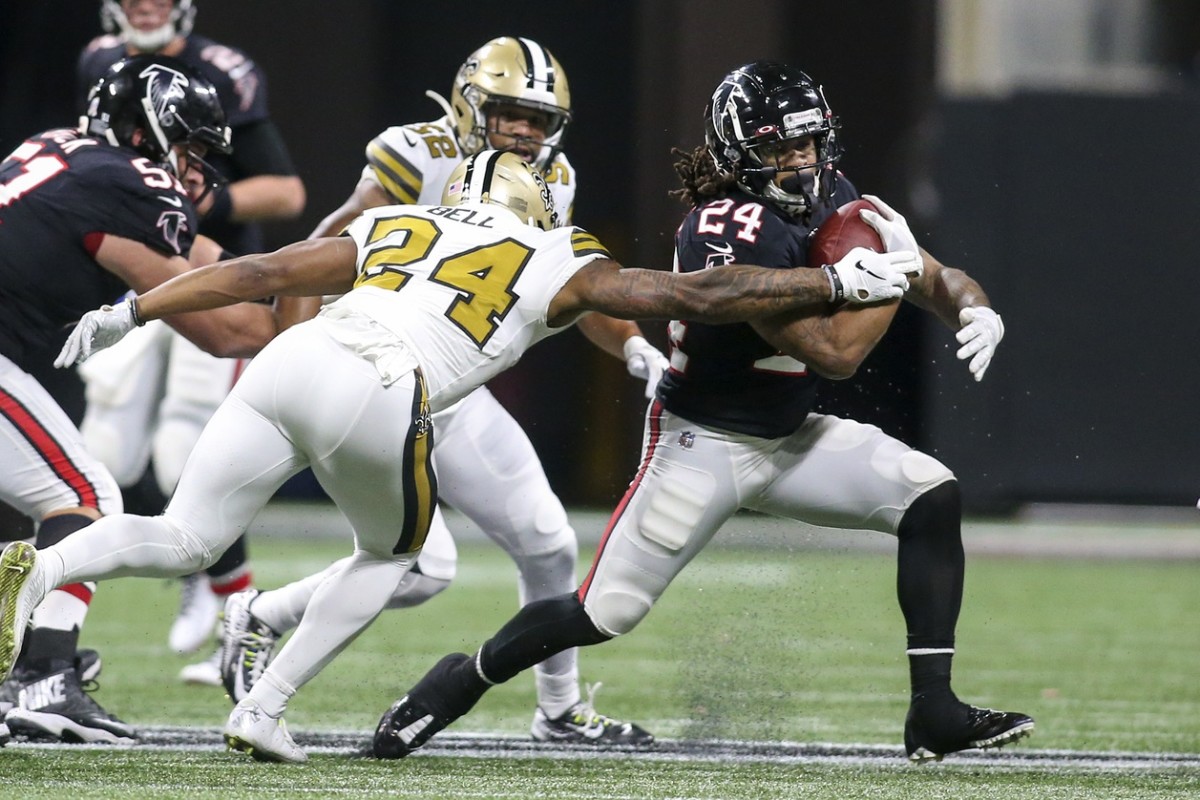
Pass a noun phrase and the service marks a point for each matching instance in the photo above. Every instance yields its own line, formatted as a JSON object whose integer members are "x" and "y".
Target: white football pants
{"x": 304, "y": 401}
{"x": 831, "y": 472}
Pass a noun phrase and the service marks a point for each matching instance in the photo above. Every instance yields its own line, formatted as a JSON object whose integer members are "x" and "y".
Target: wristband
{"x": 837, "y": 292}
{"x": 133, "y": 312}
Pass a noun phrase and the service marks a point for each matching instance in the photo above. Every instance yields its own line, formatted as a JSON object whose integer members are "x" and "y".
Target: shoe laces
{"x": 256, "y": 644}
{"x": 584, "y": 713}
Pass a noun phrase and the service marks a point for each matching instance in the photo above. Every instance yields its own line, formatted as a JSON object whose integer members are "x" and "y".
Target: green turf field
{"x": 765, "y": 643}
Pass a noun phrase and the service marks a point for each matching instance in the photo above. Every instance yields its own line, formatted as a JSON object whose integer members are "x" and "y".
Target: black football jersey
{"x": 60, "y": 193}
{"x": 242, "y": 91}
{"x": 727, "y": 376}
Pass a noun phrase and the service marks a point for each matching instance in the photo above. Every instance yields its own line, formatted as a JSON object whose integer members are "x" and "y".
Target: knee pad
{"x": 615, "y": 612}
{"x": 545, "y": 531}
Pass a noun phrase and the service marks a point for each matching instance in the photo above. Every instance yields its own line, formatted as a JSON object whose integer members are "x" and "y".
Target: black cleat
{"x": 88, "y": 665}
{"x": 935, "y": 727}
{"x": 415, "y": 718}
{"x": 55, "y": 705}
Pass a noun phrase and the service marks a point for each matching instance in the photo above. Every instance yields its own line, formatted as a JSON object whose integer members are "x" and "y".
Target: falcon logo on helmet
{"x": 762, "y": 104}
{"x": 151, "y": 103}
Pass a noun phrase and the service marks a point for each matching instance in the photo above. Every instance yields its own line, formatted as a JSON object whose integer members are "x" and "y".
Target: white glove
{"x": 864, "y": 276}
{"x": 890, "y": 225}
{"x": 643, "y": 360}
{"x": 981, "y": 331}
{"x": 97, "y": 330}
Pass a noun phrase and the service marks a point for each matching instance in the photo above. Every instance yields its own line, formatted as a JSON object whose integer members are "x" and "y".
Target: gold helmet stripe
{"x": 397, "y": 174}
{"x": 541, "y": 68}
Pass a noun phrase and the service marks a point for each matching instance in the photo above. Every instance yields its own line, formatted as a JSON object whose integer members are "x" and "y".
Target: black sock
{"x": 538, "y": 631}
{"x": 929, "y": 673}
{"x": 48, "y": 650}
{"x": 930, "y": 566}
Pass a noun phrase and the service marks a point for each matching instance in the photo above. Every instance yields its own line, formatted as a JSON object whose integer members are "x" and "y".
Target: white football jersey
{"x": 462, "y": 292}
{"x": 413, "y": 162}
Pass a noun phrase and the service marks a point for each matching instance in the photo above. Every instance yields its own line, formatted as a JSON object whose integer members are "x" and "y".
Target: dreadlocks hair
{"x": 699, "y": 175}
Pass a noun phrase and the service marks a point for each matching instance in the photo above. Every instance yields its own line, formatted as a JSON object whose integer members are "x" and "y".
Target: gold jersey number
{"x": 483, "y": 277}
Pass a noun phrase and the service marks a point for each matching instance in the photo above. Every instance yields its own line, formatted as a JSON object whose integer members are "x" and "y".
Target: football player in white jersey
{"x": 510, "y": 94}
{"x": 439, "y": 300}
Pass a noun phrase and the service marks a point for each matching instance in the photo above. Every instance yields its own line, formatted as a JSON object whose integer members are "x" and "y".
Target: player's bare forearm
{"x": 730, "y": 293}
{"x": 833, "y": 345}
{"x": 291, "y": 311}
{"x": 608, "y": 333}
{"x": 267, "y": 197}
{"x": 944, "y": 291}
{"x": 316, "y": 267}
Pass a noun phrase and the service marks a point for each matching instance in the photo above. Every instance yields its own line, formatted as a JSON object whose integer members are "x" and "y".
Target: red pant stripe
{"x": 48, "y": 448}
{"x": 655, "y": 420}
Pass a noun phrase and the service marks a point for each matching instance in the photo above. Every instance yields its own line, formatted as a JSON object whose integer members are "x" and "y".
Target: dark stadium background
{"x": 1075, "y": 209}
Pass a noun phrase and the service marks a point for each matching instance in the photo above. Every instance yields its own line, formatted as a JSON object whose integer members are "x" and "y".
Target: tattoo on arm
{"x": 730, "y": 293}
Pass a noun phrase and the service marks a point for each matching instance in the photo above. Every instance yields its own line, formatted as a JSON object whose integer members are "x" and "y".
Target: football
{"x": 841, "y": 233}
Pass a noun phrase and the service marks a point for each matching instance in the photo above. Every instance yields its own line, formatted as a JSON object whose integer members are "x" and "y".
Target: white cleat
{"x": 22, "y": 587}
{"x": 250, "y": 730}
{"x": 198, "y": 609}
{"x": 203, "y": 673}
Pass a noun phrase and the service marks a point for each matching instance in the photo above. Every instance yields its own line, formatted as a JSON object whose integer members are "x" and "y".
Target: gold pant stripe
{"x": 420, "y": 482}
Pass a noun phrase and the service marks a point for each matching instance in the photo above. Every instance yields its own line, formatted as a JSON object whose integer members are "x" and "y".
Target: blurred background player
{"x": 86, "y": 215}
{"x": 512, "y": 95}
{"x": 732, "y": 427}
{"x": 149, "y": 398}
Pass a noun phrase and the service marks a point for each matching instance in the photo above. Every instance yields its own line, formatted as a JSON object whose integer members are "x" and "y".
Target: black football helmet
{"x": 168, "y": 101}
{"x": 763, "y": 103}
{"x": 179, "y": 23}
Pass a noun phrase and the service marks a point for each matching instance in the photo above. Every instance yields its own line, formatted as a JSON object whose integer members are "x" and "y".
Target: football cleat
{"x": 56, "y": 706}
{"x": 88, "y": 665}
{"x": 266, "y": 738}
{"x": 21, "y": 589}
{"x": 581, "y": 724}
{"x": 247, "y": 645}
{"x": 414, "y": 719}
{"x": 935, "y": 727}
{"x": 198, "y": 609}
{"x": 203, "y": 673}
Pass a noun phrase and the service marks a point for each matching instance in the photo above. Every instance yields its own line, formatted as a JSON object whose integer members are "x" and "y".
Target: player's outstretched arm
{"x": 730, "y": 293}
{"x": 321, "y": 266}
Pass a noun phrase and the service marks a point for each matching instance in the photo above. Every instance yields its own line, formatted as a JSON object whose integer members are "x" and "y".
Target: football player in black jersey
{"x": 169, "y": 389}
{"x": 732, "y": 427}
{"x": 86, "y": 215}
